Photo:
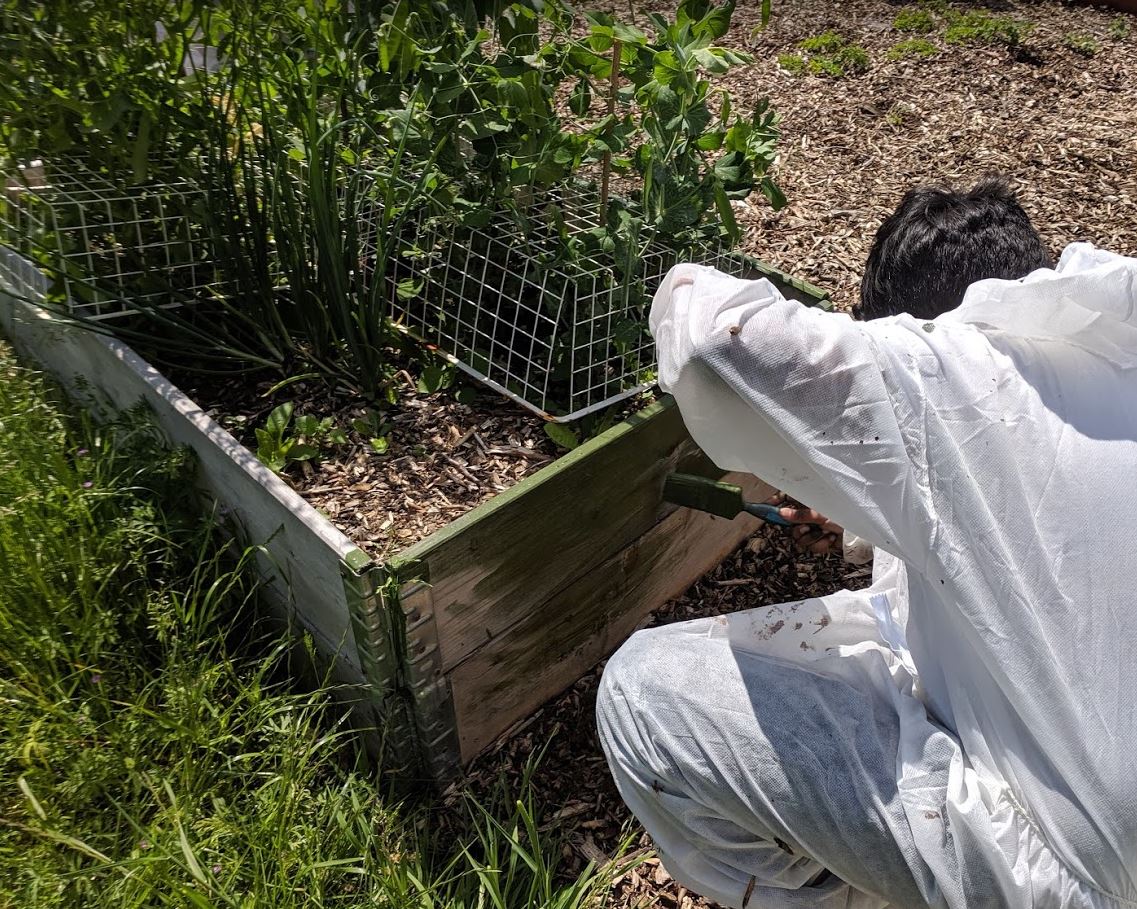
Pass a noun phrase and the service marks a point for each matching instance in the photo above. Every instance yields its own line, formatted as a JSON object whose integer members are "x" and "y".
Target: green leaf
{"x": 408, "y": 289}
{"x": 435, "y": 378}
{"x": 773, "y": 192}
{"x": 726, "y": 215}
{"x": 337, "y": 436}
{"x": 711, "y": 141}
{"x": 581, "y": 98}
{"x": 629, "y": 34}
{"x": 302, "y": 453}
{"x": 379, "y": 445}
{"x": 562, "y": 435}
{"x": 140, "y": 159}
{"x": 306, "y": 425}
{"x": 278, "y": 420}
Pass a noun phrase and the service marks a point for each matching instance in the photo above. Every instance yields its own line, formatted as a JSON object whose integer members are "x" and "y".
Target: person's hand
{"x": 812, "y": 531}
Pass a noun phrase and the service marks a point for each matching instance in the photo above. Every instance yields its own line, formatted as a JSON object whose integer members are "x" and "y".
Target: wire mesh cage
{"x": 107, "y": 249}
{"x": 563, "y": 335}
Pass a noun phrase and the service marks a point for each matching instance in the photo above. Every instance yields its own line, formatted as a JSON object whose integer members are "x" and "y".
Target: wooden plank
{"x": 494, "y": 566}
{"x": 512, "y": 675}
{"x": 305, "y": 550}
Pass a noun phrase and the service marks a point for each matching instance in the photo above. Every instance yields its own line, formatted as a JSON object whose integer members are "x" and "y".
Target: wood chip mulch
{"x": 444, "y": 457}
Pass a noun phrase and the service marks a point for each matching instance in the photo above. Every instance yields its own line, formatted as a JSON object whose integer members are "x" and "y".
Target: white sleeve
{"x": 798, "y": 397}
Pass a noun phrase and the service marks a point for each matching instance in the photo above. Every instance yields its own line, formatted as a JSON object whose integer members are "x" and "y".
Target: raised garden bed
{"x": 453, "y": 639}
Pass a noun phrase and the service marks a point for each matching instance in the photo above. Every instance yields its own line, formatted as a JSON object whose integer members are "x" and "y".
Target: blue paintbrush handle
{"x": 768, "y": 513}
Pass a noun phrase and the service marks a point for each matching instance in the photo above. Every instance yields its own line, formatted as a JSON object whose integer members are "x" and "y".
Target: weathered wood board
{"x": 494, "y": 566}
{"x": 561, "y": 638}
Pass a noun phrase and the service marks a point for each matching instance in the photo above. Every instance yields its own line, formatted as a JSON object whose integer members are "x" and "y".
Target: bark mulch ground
{"x": 1060, "y": 125}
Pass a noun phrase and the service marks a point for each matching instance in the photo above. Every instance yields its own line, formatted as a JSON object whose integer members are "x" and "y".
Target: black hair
{"x": 938, "y": 242}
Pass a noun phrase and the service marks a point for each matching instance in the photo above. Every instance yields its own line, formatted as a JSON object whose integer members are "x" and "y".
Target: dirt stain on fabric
{"x": 770, "y": 630}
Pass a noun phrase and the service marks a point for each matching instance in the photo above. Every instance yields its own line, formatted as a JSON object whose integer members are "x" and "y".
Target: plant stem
{"x": 613, "y": 88}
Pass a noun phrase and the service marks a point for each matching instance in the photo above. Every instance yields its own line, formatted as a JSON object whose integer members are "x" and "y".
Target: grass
{"x": 1119, "y": 28}
{"x": 975, "y": 26}
{"x": 915, "y": 20}
{"x": 152, "y": 749}
{"x": 914, "y": 47}
{"x": 828, "y": 54}
{"x": 1081, "y": 43}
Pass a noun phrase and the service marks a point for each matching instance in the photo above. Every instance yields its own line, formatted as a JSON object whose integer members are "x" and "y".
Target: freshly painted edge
{"x": 423, "y": 547}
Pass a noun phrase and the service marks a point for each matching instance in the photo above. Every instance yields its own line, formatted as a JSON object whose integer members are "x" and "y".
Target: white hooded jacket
{"x": 991, "y": 458}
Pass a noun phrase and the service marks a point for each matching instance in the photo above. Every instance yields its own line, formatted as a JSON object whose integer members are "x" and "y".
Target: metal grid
{"x": 564, "y": 339}
{"x": 109, "y": 250}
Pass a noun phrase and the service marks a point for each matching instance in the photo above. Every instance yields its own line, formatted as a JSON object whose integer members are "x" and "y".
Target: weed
{"x": 915, "y": 20}
{"x": 1081, "y": 43}
{"x": 1119, "y": 28}
{"x": 794, "y": 64}
{"x": 980, "y": 27}
{"x": 832, "y": 54}
{"x": 914, "y": 47}
{"x": 900, "y": 113}
{"x": 277, "y": 447}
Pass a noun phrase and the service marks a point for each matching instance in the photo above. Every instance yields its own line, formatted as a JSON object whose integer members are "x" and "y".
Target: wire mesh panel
{"x": 517, "y": 305}
{"x": 103, "y": 245}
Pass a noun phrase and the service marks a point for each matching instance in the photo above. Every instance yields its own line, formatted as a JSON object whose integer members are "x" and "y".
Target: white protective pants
{"x": 759, "y": 750}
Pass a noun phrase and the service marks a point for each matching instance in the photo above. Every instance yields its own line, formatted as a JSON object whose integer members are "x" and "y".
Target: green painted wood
{"x": 499, "y": 563}
{"x": 554, "y": 644}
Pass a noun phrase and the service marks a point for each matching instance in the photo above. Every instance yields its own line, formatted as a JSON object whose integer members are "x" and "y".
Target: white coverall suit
{"x": 963, "y": 732}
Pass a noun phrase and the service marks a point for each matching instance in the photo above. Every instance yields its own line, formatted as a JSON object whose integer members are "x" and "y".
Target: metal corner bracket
{"x": 397, "y": 640}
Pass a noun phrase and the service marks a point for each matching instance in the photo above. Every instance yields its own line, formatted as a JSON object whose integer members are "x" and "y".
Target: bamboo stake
{"x": 606, "y": 167}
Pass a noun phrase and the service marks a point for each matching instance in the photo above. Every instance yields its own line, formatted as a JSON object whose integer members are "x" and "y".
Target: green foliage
{"x": 915, "y": 20}
{"x": 564, "y": 436}
{"x": 435, "y": 377}
{"x": 913, "y": 47}
{"x": 973, "y": 26}
{"x": 374, "y": 429}
{"x": 794, "y": 64}
{"x": 323, "y": 135}
{"x": 982, "y": 27}
{"x": 1119, "y": 28}
{"x": 832, "y": 54}
{"x": 89, "y": 77}
{"x": 1081, "y": 43}
{"x": 277, "y": 447}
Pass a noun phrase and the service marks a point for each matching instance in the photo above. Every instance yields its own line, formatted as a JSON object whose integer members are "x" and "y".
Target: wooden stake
{"x": 606, "y": 167}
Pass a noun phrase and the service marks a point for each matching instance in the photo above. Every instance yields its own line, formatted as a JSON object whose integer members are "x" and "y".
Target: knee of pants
{"x": 620, "y": 699}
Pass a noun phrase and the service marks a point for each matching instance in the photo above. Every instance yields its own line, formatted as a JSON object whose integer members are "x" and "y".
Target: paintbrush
{"x": 716, "y": 498}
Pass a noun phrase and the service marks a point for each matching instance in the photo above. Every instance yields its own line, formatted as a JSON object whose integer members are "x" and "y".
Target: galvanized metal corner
{"x": 396, "y": 637}
{"x": 432, "y": 703}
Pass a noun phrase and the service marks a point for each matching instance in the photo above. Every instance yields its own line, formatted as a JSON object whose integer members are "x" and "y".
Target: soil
{"x": 444, "y": 457}
{"x": 1061, "y": 126}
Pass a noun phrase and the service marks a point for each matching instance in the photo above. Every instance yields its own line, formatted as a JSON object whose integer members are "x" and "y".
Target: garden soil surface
{"x": 1061, "y": 126}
